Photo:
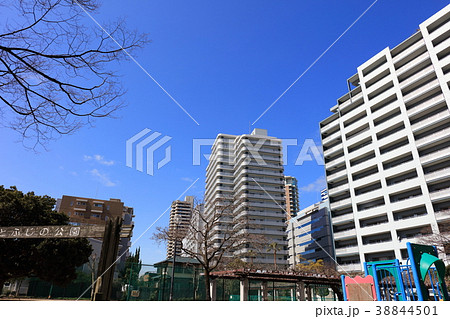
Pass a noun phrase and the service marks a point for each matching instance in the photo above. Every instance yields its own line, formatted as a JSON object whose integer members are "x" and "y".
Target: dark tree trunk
{"x": 207, "y": 286}
{"x": 2, "y": 282}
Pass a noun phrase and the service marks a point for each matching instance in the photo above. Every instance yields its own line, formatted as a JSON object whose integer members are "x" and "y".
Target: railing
{"x": 434, "y": 155}
{"x": 348, "y": 249}
{"x": 430, "y": 119}
{"x": 342, "y": 218}
{"x": 345, "y": 233}
{"x": 408, "y": 51}
{"x": 337, "y": 189}
{"x": 340, "y": 159}
{"x": 416, "y": 76}
{"x": 420, "y": 90}
{"x": 439, "y": 173}
{"x": 425, "y": 105}
{"x": 337, "y": 174}
{"x": 430, "y": 138}
{"x": 413, "y": 63}
{"x": 440, "y": 193}
{"x": 341, "y": 203}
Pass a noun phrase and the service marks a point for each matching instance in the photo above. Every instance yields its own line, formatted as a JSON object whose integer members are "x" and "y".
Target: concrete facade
{"x": 180, "y": 218}
{"x": 248, "y": 171}
{"x": 387, "y": 147}
{"x": 310, "y": 235}
{"x": 291, "y": 193}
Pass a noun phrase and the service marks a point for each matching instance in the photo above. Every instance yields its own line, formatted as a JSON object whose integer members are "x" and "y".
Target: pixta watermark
{"x": 141, "y": 149}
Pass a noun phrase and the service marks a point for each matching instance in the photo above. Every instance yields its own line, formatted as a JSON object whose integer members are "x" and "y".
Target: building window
{"x": 81, "y": 203}
{"x": 98, "y": 205}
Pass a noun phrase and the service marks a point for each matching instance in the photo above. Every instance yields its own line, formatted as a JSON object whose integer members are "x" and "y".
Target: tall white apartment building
{"x": 387, "y": 149}
{"x": 248, "y": 170}
{"x": 179, "y": 221}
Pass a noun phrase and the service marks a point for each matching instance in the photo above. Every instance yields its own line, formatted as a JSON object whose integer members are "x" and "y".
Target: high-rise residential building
{"x": 324, "y": 194}
{"x": 91, "y": 211}
{"x": 387, "y": 148}
{"x": 192, "y": 241}
{"x": 180, "y": 218}
{"x": 291, "y": 193}
{"x": 248, "y": 170}
{"x": 309, "y": 235}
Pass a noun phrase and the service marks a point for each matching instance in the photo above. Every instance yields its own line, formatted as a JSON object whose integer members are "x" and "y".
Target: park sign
{"x": 65, "y": 231}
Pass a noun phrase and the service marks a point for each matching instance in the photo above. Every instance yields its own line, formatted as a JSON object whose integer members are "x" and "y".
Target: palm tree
{"x": 274, "y": 248}
{"x": 252, "y": 255}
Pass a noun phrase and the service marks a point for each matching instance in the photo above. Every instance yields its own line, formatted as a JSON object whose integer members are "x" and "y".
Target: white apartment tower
{"x": 179, "y": 221}
{"x": 248, "y": 169}
{"x": 387, "y": 149}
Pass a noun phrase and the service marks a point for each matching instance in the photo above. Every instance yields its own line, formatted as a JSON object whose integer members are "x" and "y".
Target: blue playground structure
{"x": 422, "y": 278}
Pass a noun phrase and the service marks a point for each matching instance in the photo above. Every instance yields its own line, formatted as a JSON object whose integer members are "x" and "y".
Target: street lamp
{"x": 176, "y": 221}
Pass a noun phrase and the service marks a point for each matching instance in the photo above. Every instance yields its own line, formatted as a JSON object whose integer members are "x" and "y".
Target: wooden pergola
{"x": 302, "y": 281}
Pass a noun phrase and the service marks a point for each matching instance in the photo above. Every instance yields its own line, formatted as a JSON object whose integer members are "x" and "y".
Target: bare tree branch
{"x": 55, "y": 72}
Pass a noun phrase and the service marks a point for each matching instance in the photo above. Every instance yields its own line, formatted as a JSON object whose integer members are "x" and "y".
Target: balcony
{"x": 430, "y": 120}
{"x": 442, "y": 46}
{"x": 420, "y": 90}
{"x": 356, "y": 267}
{"x": 445, "y": 152}
{"x": 433, "y": 137}
{"x": 342, "y": 219}
{"x": 408, "y": 51}
{"x": 345, "y": 234}
{"x": 440, "y": 194}
{"x": 260, "y": 172}
{"x": 442, "y": 215}
{"x": 263, "y": 196}
{"x": 338, "y": 189}
{"x": 333, "y": 123}
{"x": 350, "y": 101}
{"x": 262, "y": 187}
{"x": 341, "y": 203}
{"x": 332, "y": 150}
{"x": 350, "y": 250}
{"x": 331, "y": 137}
{"x": 337, "y": 176}
{"x": 421, "y": 58}
{"x": 417, "y": 76}
{"x": 437, "y": 175}
{"x": 335, "y": 162}
{"x": 425, "y": 105}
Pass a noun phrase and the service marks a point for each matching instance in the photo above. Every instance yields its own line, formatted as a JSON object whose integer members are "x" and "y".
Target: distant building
{"x": 248, "y": 170}
{"x": 291, "y": 193}
{"x": 91, "y": 211}
{"x": 324, "y": 194}
{"x": 180, "y": 217}
{"x": 192, "y": 241}
{"x": 310, "y": 235}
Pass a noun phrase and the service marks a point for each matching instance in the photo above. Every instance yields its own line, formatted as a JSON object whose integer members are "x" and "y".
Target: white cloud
{"x": 187, "y": 179}
{"x": 99, "y": 159}
{"x": 315, "y": 186}
{"x": 103, "y": 178}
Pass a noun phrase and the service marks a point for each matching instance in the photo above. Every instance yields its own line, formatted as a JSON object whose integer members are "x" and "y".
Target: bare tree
{"x": 441, "y": 240}
{"x": 214, "y": 236}
{"x": 54, "y": 70}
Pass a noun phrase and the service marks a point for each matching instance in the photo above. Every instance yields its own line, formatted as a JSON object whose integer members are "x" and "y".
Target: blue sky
{"x": 225, "y": 62}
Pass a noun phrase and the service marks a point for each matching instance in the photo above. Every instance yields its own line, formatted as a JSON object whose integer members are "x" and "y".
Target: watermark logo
{"x": 257, "y": 151}
{"x": 146, "y": 140}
